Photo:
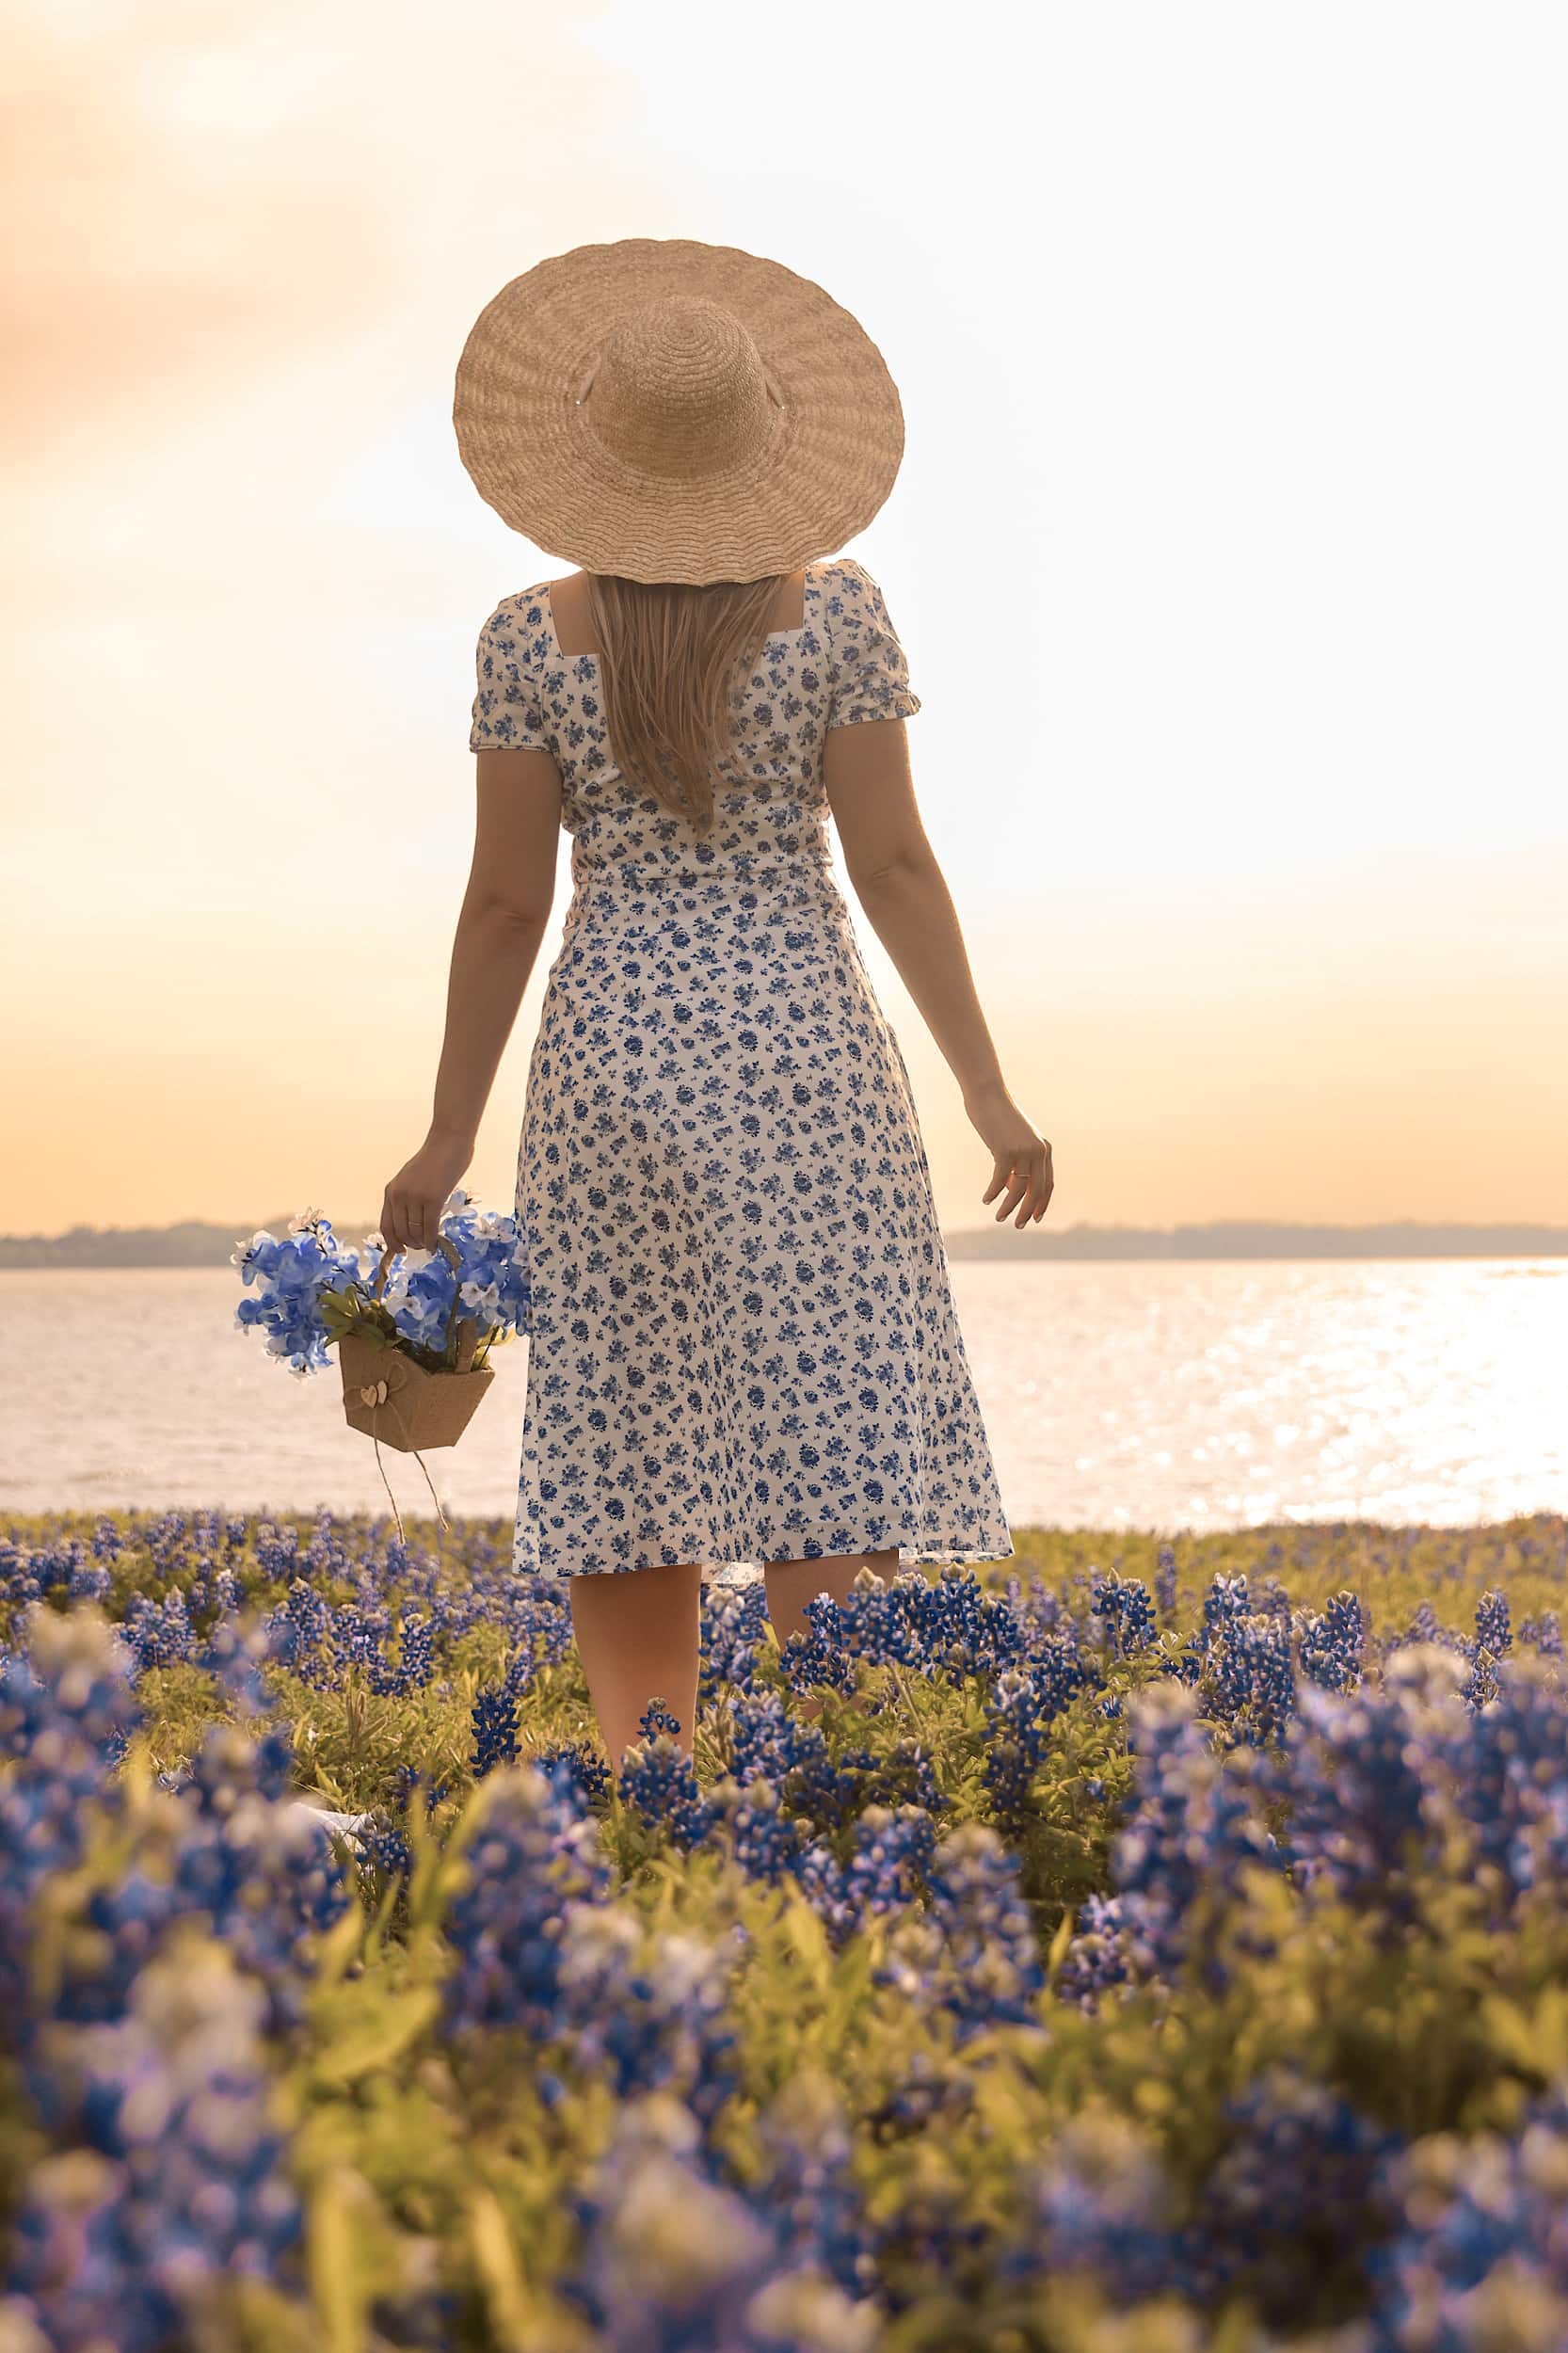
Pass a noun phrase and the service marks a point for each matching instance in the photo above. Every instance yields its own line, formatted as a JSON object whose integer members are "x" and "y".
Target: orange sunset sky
{"x": 1228, "y": 553}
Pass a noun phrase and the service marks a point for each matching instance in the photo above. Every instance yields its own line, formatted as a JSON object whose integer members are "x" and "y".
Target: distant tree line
{"x": 198, "y": 1243}
{"x": 1240, "y": 1237}
{"x": 193, "y": 1242}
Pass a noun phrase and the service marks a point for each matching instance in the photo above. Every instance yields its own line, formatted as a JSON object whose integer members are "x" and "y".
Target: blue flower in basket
{"x": 480, "y": 1265}
{"x": 413, "y": 1345}
{"x": 444, "y": 1309}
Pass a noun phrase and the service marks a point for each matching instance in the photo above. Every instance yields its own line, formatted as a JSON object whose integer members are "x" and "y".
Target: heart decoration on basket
{"x": 391, "y": 1397}
{"x": 414, "y": 1370}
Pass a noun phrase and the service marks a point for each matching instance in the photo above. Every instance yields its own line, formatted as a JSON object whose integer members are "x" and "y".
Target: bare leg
{"x": 791, "y": 1584}
{"x": 638, "y": 1635}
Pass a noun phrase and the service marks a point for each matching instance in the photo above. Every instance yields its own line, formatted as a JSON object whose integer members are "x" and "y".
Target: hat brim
{"x": 533, "y": 455}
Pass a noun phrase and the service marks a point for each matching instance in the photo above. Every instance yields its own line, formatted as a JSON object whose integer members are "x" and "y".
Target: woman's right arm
{"x": 906, "y": 902}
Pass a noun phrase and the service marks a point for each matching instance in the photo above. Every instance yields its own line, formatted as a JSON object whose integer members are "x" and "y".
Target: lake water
{"x": 1143, "y": 1394}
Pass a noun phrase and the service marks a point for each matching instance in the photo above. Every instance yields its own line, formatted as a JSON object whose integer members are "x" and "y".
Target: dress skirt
{"x": 743, "y": 1343}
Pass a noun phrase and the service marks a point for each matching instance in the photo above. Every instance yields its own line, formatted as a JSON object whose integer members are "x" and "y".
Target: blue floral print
{"x": 743, "y": 1343}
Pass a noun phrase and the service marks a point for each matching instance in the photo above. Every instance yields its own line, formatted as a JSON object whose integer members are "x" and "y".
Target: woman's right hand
{"x": 1023, "y": 1162}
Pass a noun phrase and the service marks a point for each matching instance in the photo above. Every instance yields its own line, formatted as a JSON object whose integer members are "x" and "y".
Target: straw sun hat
{"x": 668, "y": 410}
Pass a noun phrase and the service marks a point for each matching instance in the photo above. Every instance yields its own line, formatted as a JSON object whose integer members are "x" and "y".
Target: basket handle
{"x": 467, "y": 1331}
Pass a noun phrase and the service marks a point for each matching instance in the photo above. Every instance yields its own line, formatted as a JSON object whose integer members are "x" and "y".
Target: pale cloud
{"x": 169, "y": 239}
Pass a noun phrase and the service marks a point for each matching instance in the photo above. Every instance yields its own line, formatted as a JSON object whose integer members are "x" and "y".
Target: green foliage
{"x": 428, "y": 2161}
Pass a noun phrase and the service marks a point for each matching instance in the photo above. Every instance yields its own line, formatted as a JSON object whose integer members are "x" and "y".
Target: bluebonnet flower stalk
{"x": 818, "y": 1657}
{"x": 645, "y": 2009}
{"x": 655, "y": 1719}
{"x": 1100, "y": 2201}
{"x": 1123, "y": 1606}
{"x": 891, "y": 1854}
{"x": 531, "y": 1854}
{"x": 671, "y": 2260}
{"x": 1542, "y": 1633}
{"x": 576, "y": 1769}
{"x": 1366, "y": 1812}
{"x": 179, "y": 2184}
{"x": 65, "y": 1711}
{"x": 1058, "y": 1671}
{"x": 1228, "y": 1599}
{"x": 752, "y": 1828}
{"x": 880, "y": 1621}
{"x": 1506, "y": 1759}
{"x": 383, "y": 1848}
{"x": 160, "y": 1633}
{"x": 495, "y": 1731}
{"x": 416, "y": 1652}
{"x": 236, "y": 1652}
{"x": 1478, "y": 2255}
{"x": 963, "y": 1629}
{"x": 1538, "y": 1857}
{"x": 974, "y": 1954}
{"x": 89, "y": 1581}
{"x": 1095, "y": 1959}
{"x": 1190, "y": 1829}
{"x": 1332, "y": 1643}
{"x": 1019, "y": 1728}
{"x": 227, "y": 1847}
{"x": 765, "y": 1738}
{"x": 1491, "y": 1623}
{"x": 807, "y": 2186}
{"x": 733, "y": 1629}
{"x": 659, "y": 1779}
{"x": 1249, "y": 1681}
{"x": 1284, "y": 2128}
{"x": 829, "y": 1792}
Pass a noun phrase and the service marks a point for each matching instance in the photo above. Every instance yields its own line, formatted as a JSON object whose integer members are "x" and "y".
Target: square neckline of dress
{"x": 774, "y": 634}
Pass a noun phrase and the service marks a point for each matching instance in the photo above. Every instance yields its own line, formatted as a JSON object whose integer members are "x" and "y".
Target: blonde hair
{"x": 675, "y": 662}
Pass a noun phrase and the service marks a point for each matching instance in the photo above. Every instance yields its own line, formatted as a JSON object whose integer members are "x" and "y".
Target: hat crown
{"x": 679, "y": 390}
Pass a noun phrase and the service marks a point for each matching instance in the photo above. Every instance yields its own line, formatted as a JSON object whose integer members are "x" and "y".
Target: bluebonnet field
{"x": 1147, "y": 1948}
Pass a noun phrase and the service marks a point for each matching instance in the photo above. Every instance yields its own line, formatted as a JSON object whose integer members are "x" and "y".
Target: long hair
{"x": 675, "y": 662}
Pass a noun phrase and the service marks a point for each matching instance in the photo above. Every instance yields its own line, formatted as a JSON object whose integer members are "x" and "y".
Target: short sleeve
{"x": 871, "y": 677}
{"x": 508, "y": 716}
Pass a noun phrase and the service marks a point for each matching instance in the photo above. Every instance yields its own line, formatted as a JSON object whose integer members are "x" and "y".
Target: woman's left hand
{"x": 412, "y": 1203}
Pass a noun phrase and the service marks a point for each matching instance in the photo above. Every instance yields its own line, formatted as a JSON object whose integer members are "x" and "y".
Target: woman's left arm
{"x": 504, "y": 915}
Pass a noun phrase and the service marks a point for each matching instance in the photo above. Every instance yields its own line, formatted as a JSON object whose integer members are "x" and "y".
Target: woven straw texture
{"x": 664, "y": 409}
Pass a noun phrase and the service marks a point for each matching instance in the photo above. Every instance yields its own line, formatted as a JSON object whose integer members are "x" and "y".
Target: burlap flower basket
{"x": 393, "y": 1399}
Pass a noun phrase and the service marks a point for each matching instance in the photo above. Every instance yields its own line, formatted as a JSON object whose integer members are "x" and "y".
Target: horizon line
{"x": 1082, "y": 1226}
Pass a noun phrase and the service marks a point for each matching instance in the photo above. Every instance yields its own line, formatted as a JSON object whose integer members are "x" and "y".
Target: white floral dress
{"x": 743, "y": 1343}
